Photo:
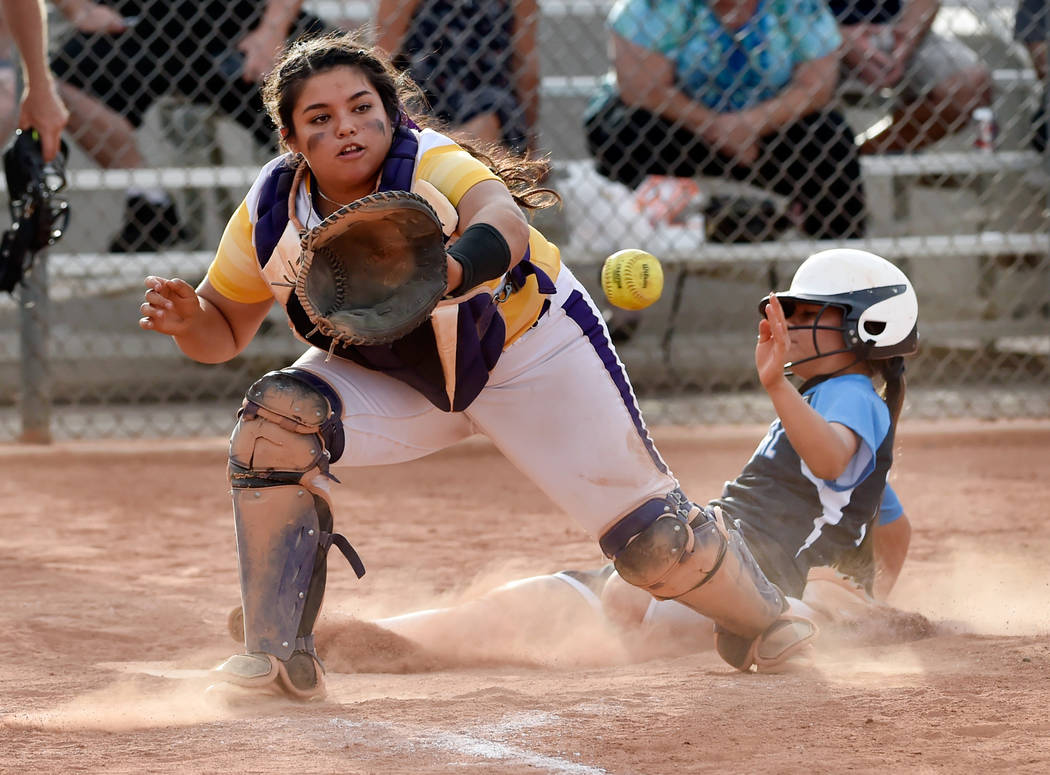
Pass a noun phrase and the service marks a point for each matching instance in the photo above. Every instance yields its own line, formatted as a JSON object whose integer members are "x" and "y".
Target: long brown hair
{"x": 310, "y": 55}
{"x": 894, "y": 386}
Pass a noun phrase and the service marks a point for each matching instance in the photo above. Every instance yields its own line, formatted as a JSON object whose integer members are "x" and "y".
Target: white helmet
{"x": 880, "y": 309}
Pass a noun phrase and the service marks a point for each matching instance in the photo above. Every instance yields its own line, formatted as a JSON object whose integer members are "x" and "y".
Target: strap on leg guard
{"x": 781, "y": 641}
{"x": 279, "y": 457}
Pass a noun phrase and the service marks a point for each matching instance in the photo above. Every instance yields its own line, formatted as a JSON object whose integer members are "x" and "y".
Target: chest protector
{"x": 450, "y": 368}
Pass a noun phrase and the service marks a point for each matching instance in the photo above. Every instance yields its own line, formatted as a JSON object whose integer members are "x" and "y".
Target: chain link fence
{"x": 730, "y": 147}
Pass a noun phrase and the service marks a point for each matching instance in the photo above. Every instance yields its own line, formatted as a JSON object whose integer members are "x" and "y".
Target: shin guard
{"x": 278, "y": 549}
{"x": 279, "y": 456}
{"x": 688, "y": 554}
{"x": 702, "y": 565}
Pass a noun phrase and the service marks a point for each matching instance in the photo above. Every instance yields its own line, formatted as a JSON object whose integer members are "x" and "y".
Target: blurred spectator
{"x": 8, "y": 83}
{"x": 1032, "y": 27}
{"x": 735, "y": 88}
{"x": 941, "y": 81}
{"x": 476, "y": 61}
{"x": 126, "y": 54}
{"x": 41, "y": 108}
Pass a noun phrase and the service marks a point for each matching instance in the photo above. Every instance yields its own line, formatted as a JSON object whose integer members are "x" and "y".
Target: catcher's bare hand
{"x": 773, "y": 342}
{"x": 170, "y": 306}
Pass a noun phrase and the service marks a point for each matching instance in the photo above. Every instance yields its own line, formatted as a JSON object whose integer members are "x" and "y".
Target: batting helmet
{"x": 879, "y": 306}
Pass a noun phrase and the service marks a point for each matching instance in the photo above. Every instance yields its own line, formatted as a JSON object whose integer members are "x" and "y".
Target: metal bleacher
{"x": 572, "y": 28}
{"x": 574, "y": 61}
{"x": 950, "y": 214}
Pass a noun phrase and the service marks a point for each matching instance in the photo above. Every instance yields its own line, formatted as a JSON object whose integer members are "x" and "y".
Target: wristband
{"x": 483, "y": 253}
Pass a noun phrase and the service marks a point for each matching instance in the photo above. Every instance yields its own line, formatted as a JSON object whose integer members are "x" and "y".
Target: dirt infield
{"x": 118, "y": 567}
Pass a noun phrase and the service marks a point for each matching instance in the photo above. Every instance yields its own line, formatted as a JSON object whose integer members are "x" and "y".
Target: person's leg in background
{"x": 1037, "y": 52}
{"x": 630, "y": 143}
{"x": 815, "y": 162}
{"x": 944, "y": 83}
{"x": 108, "y": 83}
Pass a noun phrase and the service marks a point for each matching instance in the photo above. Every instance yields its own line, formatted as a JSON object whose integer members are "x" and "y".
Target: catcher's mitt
{"x": 374, "y": 270}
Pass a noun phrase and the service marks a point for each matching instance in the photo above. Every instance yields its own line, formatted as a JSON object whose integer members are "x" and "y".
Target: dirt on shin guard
{"x": 736, "y": 593}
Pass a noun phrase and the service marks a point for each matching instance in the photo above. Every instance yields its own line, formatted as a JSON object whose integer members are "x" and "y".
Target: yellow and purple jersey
{"x": 447, "y": 359}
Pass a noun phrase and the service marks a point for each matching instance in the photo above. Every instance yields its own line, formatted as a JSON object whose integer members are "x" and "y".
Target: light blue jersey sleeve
{"x": 890, "y": 510}
{"x": 851, "y": 400}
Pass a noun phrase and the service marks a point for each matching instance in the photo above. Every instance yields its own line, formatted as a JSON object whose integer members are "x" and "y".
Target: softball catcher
{"x": 510, "y": 345}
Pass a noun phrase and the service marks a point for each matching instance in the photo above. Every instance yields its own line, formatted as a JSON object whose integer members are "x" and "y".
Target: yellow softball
{"x": 632, "y": 279}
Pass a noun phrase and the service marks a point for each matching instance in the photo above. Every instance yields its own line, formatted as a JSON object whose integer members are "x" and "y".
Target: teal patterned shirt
{"x": 729, "y": 70}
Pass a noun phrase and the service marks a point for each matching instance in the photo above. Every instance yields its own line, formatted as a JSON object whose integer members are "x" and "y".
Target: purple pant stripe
{"x": 577, "y": 308}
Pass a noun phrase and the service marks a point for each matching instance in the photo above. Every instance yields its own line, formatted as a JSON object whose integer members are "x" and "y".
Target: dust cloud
{"x": 533, "y": 621}
{"x": 131, "y": 703}
{"x": 986, "y": 593}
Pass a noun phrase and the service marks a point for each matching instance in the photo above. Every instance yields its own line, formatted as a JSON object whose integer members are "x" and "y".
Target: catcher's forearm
{"x": 490, "y": 202}
{"x": 210, "y": 338}
{"x": 483, "y": 253}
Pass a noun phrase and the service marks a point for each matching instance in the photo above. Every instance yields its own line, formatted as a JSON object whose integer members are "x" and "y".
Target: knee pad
{"x": 288, "y": 428}
{"x": 689, "y": 555}
{"x": 279, "y": 457}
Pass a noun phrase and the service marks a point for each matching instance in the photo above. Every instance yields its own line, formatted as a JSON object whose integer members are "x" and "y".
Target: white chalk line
{"x": 480, "y": 747}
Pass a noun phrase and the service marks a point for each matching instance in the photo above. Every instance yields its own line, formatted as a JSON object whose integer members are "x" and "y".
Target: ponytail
{"x": 892, "y": 372}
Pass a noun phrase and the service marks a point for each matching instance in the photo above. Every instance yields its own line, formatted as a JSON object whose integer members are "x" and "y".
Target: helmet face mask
{"x": 789, "y": 305}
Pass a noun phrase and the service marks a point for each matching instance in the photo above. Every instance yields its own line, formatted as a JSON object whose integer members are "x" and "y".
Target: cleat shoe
{"x": 734, "y": 649}
{"x": 300, "y": 677}
{"x": 148, "y": 227}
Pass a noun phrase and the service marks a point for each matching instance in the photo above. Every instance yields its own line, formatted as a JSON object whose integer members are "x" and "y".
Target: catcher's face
{"x": 342, "y": 129}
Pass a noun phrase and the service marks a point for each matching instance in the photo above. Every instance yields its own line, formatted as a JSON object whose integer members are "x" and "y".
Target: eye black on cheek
{"x": 379, "y": 126}
{"x": 314, "y": 140}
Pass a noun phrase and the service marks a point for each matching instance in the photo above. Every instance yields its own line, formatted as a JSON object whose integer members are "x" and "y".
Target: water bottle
{"x": 987, "y": 129}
